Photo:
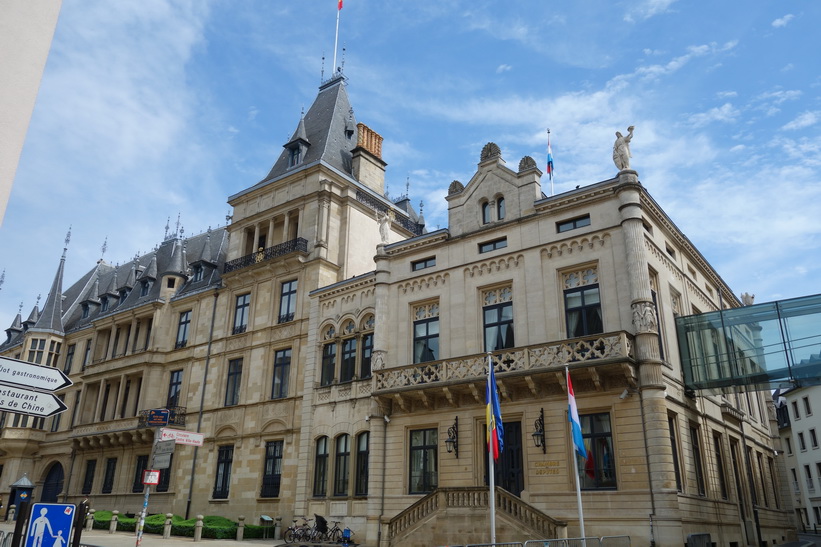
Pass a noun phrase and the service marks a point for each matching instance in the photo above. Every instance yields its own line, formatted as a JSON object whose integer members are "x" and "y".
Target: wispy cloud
{"x": 782, "y": 21}
{"x": 503, "y": 68}
{"x": 646, "y": 9}
{"x": 806, "y": 119}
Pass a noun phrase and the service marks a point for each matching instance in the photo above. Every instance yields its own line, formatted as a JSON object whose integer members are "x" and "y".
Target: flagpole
{"x": 578, "y": 483}
{"x": 336, "y": 38}
{"x": 550, "y": 161}
{"x": 491, "y": 464}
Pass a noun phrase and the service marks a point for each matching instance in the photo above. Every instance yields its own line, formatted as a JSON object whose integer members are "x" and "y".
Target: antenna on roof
{"x": 342, "y": 65}
{"x": 336, "y": 38}
{"x": 407, "y": 186}
{"x": 322, "y": 70}
{"x": 104, "y": 248}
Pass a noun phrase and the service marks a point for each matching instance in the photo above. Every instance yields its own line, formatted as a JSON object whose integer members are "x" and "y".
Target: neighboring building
{"x": 334, "y": 356}
{"x": 800, "y": 431}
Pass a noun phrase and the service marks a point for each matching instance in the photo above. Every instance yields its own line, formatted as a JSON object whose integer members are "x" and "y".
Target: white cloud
{"x": 726, "y": 94}
{"x": 782, "y": 22}
{"x": 503, "y": 68}
{"x": 724, "y": 113}
{"x": 648, "y": 8}
{"x": 806, "y": 119}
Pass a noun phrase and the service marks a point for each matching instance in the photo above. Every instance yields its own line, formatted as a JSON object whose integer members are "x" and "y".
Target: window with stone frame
{"x": 54, "y": 348}
{"x": 598, "y": 470}
{"x": 282, "y": 371}
{"x": 426, "y": 332}
{"x": 174, "y": 389}
{"x": 328, "y": 369}
{"x": 654, "y": 281}
{"x": 500, "y": 208}
{"x": 69, "y": 358}
{"x": 321, "y": 467}
{"x": 36, "y": 350}
{"x": 673, "y": 432}
{"x": 719, "y": 456}
{"x": 485, "y": 212}
{"x": 698, "y": 466}
{"x": 88, "y": 479}
{"x": 233, "y": 383}
{"x": 423, "y": 461}
{"x": 287, "y": 301}
{"x": 241, "y": 310}
{"x": 182, "y": 329}
{"x": 222, "y": 480}
{"x": 108, "y": 477}
{"x": 342, "y": 462}
{"x": 366, "y": 353}
{"x": 272, "y": 470}
{"x": 497, "y": 311}
{"x": 141, "y": 465}
{"x": 165, "y": 476}
{"x": 362, "y": 456}
{"x": 347, "y": 366}
{"x": 582, "y": 302}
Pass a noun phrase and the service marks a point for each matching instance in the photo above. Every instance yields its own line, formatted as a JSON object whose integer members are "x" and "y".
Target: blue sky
{"x": 150, "y": 109}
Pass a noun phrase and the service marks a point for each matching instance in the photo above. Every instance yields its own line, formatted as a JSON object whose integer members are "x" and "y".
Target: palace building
{"x": 333, "y": 353}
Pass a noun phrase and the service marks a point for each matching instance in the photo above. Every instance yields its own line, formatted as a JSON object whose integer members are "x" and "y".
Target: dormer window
{"x": 145, "y": 286}
{"x": 85, "y": 310}
{"x": 124, "y": 294}
{"x": 198, "y": 272}
{"x": 500, "y": 208}
{"x": 104, "y": 303}
{"x": 294, "y": 156}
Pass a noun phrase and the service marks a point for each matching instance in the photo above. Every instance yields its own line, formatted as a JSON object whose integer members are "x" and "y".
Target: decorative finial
{"x": 177, "y": 228}
{"x": 2, "y": 278}
{"x": 421, "y": 206}
{"x": 104, "y": 247}
{"x": 228, "y": 217}
{"x": 342, "y": 66}
{"x": 167, "y": 227}
{"x": 38, "y": 301}
{"x": 20, "y": 308}
{"x": 407, "y": 186}
{"x": 68, "y": 236}
{"x": 322, "y": 70}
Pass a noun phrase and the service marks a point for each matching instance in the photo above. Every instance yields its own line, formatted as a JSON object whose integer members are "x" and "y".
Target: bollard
{"x": 12, "y": 511}
{"x": 278, "y": 529}
{"x": 166, "y": 530}
{"x": 241, "y": 527}
{"x": 90, "y": 519}
{"x": 112, "y": 527}
{"x": 198, "y": 528}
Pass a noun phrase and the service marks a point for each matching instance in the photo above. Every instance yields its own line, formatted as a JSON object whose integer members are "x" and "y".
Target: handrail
{"x": 295, "y": 245}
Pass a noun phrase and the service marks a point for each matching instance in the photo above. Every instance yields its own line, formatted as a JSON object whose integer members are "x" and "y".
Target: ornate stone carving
{"x": 644, "y": 317}
{"x": 491, "y": 150}
{"x": 527, "y": 163}
{"x": 455, "y": 187}
{"x": 378, "y": 359}
{"x": 621, "y": 149}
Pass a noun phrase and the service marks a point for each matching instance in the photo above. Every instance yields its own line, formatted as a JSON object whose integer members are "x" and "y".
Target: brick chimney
{"x": 366, "y": 161}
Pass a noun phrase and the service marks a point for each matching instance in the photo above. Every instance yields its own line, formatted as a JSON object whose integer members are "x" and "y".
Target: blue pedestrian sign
{"x": 49, "y": 525}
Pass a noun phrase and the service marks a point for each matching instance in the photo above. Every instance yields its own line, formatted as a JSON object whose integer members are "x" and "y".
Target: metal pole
{"x": 491, "y": 464}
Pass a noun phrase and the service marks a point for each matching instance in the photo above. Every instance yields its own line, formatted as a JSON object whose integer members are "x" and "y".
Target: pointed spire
{"x": 151, "y": 271}
{"x": 16, "y": 325}
{"x": 51, "y": 319}
{"x": 205, "y": 254}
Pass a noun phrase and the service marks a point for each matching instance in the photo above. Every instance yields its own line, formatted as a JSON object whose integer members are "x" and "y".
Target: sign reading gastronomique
{"x": 34, "y": 403}
{"x": 31, "y": 376}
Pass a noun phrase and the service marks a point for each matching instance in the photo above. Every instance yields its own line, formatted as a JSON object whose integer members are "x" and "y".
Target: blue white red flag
{"x": 493, "y": 414}
{"x": 549, "y": 158}
{"x": 573, "y": 417}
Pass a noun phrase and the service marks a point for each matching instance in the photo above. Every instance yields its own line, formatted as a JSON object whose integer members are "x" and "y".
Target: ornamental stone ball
{"x": 621, "y": 149}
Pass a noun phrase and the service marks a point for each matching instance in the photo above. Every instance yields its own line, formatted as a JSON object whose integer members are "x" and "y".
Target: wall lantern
{"x": 538, "y": 434}
{"x": 452, "y": 442}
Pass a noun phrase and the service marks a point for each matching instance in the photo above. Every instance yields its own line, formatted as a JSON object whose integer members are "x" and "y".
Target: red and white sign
{"x": 151, "y": 477}
{"x": 181, "y": 437}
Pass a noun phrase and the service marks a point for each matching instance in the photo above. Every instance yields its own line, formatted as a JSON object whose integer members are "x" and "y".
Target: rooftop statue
{"x": 621, "y": 149}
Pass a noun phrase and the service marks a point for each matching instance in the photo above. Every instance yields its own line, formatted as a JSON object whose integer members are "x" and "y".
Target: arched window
{"x": 485, "y": 212}
{"x": 500, "y": 208}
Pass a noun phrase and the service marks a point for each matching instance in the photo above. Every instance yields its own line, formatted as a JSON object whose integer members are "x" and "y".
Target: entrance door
{"x": 509, "y": 473}
{"x": 53, "y": 484}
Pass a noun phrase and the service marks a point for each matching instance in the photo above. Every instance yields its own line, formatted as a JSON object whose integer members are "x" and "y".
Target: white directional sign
{"x": 25, "y": 401}
{"x": 30, "y": 376}
{"x": 181, "y": 437}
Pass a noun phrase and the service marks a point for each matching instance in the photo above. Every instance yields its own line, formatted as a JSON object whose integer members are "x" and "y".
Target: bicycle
{"x": 300, "y": 532}
{"x": 334, "y": 534}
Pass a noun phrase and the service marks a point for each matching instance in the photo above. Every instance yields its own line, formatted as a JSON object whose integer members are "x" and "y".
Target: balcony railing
{"x": 295, "y": 245}
{"x": 554, "y": 355}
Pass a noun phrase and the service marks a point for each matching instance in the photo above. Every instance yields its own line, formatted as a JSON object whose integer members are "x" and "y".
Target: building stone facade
{"x": 334, "y": 355}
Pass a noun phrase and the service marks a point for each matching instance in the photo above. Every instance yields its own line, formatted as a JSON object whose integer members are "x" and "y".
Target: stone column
{"x": 646, "y": 347}
{"x": 118, "y": 403}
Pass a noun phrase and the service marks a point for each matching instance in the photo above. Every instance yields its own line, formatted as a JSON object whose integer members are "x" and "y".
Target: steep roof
{"x": 51, "y": 318}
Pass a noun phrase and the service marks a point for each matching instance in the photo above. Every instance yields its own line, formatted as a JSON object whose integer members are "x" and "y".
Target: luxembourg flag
{"x": 573, "y": 417}
{"x": 493, "y": 414}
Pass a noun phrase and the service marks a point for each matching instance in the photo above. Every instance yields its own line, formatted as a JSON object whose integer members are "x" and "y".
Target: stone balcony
{"x": 602, "y": 360}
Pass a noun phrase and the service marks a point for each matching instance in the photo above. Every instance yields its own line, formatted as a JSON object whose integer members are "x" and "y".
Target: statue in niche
{"x": 384, "y": 220}
{"x": 621, "y": 149}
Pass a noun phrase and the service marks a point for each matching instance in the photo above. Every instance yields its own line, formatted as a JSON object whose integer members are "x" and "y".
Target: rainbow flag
{"x": 573, "y": 417}
{"x": 493, "y": 414}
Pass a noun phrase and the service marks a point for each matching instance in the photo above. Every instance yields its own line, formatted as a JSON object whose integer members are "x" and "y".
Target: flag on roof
{"x": 339, "y": 5}
{"x": 549, "y": 157}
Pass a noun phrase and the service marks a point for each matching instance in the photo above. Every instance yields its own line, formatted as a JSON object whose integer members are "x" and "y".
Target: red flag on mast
{"x": 339, "y": 5}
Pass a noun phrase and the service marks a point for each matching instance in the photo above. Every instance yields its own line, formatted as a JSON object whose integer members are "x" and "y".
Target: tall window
{"x": 761, "y": 475}
{"x": 287, "y": 301}
{"x": 165, "y": 476}
{"x": 88, "y": 480}
{"x": 182, "y": 329}
{"x": 233, "y": 383}
{"x": 174, "y": 388}
{"x": 498, "y": 318}
{"x": 598, "y": 471}
{"x": 272, "y": 472}
{"x": 53, "y": 353}
{"x": 141, "y": 465}
{"x": 69, "y": 358}
{"x": 55, "y": 420}
{"x": 342, "y": 465}
{"x": 485, "y": 212}
{"x": 282, "y": 369}
{"x": 426, "y": 333}
{"x": 500, "y": 208}
{"x": 582, "y": 304}
{"x": 87, "y": 354}
{"x": 423, "y": 462}
{"x": 241, "y": 313}
{"x": 321, "y": 468}
{"x": 328, "y": 364}
{"x": 198, "y": 273}
{"x": 362, "y": 454}
{"x": 671, "y": 426}
{"x": 222, "y": 482}
{"x": 108, "y": 478}
{"x": 145, "y": 286}
{"x": 348, "y": 365}
{"x": 802, "y": 444}
{"x": 367, "y": 352}
{"x": 695, "y": 438}
{"x": 722, "y": 478}
{"x": 38, "y": 346}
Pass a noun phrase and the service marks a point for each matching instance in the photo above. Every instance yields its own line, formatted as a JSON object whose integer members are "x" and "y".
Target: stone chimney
{"x": 366, "y": 161}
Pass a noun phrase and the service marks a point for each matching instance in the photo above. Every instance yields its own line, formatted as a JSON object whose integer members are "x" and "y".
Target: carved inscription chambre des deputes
{"x": 549, "y": 467}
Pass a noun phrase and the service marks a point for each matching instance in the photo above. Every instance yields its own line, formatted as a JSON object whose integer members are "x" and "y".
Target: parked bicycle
{"x": 300, "y": 532}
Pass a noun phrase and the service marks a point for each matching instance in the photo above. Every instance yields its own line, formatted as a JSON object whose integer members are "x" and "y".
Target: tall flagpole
{"x": 336, "y": 38}
{"x": 491, "y": 464}
{"x": 576, "y": 468}
{"x": 549, "y": 161}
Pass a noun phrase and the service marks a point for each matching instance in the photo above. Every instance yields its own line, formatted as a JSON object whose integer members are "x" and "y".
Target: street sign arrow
{"x": 33, "y": 403}
{"x": 31, "y": 376}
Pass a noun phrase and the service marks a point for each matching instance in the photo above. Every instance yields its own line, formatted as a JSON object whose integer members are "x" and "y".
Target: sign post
{"x": 26, "y": 388}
